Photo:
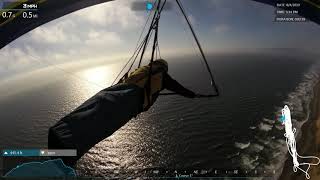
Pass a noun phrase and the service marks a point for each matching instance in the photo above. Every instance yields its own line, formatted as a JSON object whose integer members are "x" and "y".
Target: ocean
{"x": 238, "y": 130}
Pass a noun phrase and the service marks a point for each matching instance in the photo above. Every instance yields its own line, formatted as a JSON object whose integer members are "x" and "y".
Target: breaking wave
{"x": 242, "y": 145}
{"x": 267, "y": 150}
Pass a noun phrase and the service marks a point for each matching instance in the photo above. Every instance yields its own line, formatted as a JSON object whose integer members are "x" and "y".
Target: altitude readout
{"x": 7, "y": 14}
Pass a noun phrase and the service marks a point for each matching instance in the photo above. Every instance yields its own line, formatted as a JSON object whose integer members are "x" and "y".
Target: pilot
{"x": 111, "y": 108}
{"x": 159, "y": 80}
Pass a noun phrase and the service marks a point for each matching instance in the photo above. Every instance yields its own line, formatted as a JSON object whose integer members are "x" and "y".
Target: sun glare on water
{"x": 97, "y": 75}
{"x": 98, "y": 78}
{"x": 102, "y": 75}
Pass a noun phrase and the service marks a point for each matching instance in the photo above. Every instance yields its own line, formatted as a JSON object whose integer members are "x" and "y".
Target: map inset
{"x": 50, "y": 168}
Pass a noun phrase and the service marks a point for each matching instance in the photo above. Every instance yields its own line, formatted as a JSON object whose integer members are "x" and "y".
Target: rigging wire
{"x": 154, "y": 26}
{"x": 159, "y": 49}
{"x": 148, "y": 34}
{"x": 137, "y": 47}
{"x": 155, "y": 40}
{"x": 213, "y": 84}
{"x": 147, "y": 38}
{"x": 64, "y": 71}
{"x": 139, "y": 52}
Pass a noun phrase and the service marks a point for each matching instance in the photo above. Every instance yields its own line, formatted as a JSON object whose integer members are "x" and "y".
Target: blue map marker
{"x": 282, "y": 118}
{"x": 149, "y": 6}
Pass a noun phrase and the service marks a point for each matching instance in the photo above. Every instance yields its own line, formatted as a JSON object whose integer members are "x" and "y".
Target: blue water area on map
{"x": 50, "y": 168}
{"x": 149, "y": 6}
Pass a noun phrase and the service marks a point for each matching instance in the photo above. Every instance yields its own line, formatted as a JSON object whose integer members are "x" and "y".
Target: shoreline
{"x": 308, "y": 144}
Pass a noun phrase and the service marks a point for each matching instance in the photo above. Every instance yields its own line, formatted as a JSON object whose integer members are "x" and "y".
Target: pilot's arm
{"x": 172, "y": 85}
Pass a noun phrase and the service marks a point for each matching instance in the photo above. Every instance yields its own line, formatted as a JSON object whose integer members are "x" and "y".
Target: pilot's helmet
{"x": 162, "y": 63}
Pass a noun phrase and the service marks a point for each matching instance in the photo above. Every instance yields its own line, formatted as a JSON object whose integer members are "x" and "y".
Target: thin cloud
{"x": 111, "y": 13}
{"x": 101, "y": 38}
{"x": 222, "y": 28}
{"x": 48, "y": 35}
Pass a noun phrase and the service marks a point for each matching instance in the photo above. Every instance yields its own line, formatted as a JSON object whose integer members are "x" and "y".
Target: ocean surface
{"x": 238, "y": 130}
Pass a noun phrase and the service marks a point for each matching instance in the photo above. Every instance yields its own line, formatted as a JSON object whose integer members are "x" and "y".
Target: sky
{"x": 110, "y": 30}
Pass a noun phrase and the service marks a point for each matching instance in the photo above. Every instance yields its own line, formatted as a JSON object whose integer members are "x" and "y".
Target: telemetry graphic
{"x": 49, "y": 168}
{"x": 160, "y": 89}
{"x": 291, "y": 144}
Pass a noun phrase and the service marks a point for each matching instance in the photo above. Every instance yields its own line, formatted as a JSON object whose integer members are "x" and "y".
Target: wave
{"x": 242, "y": 145}
{"x": 268, "y": 150}
{"x": 265, "y": 127}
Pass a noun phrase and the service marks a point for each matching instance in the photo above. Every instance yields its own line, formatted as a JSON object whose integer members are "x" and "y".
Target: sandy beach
{"x": 308, "y": 144}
